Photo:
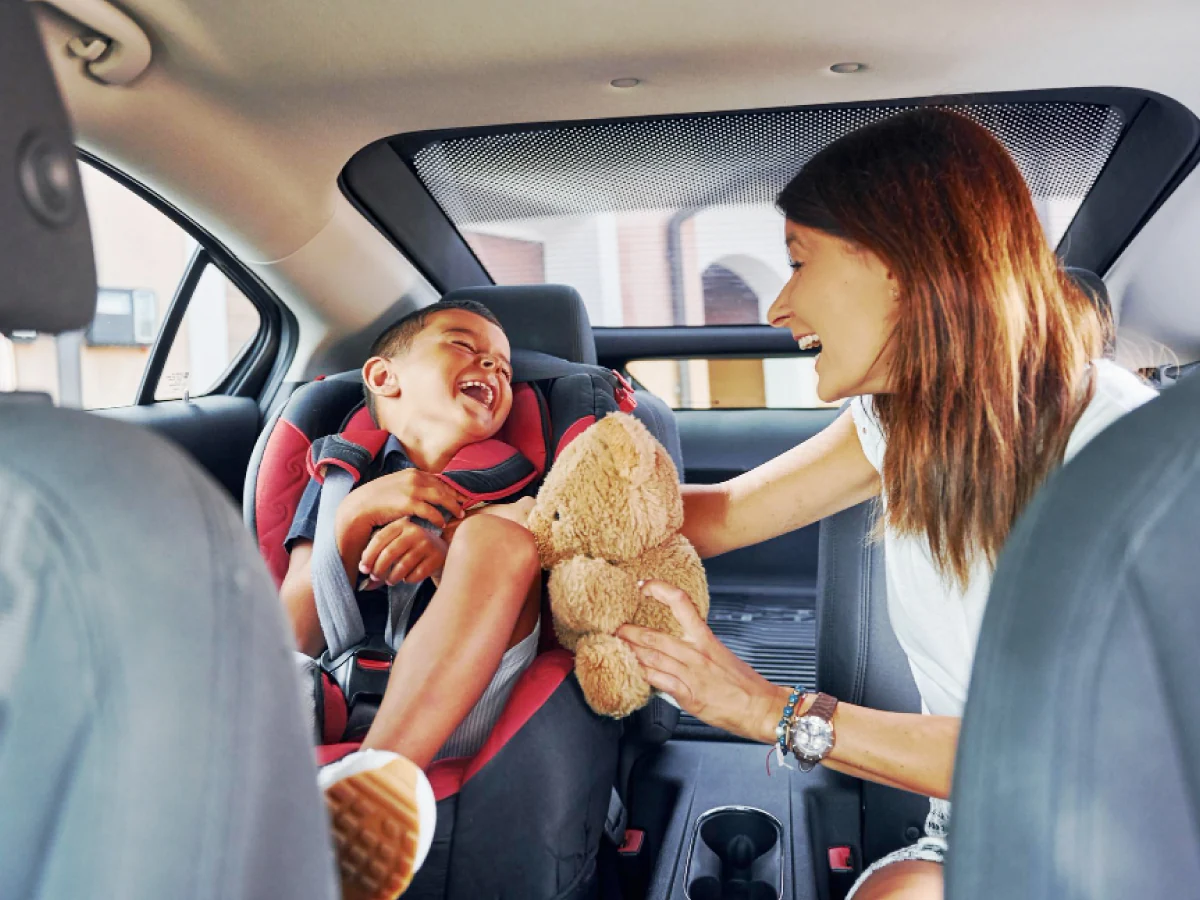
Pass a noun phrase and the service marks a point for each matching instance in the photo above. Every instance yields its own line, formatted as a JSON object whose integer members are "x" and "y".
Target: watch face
{"x": 812, "y": 737}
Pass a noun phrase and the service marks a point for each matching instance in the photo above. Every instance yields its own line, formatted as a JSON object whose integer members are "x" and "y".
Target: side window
{"x": 217, "y": 328}
{"x": 142, "y": 259}
{"x": 752, "y": 383}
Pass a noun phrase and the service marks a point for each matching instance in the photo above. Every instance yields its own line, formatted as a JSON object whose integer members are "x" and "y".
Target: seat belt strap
{"x": 337, "y": 607}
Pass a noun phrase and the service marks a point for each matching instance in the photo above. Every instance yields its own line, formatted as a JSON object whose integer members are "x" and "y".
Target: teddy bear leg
{"x": 612, "y": 679}
{"x": 567, "y": 639}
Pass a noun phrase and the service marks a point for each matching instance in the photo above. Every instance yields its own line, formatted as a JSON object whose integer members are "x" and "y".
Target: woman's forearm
{"x": 903, "y": 750}
{"x": 705, "y": 512}
{"x": 825, "y": 474}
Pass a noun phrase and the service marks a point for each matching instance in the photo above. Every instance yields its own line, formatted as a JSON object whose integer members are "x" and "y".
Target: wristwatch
{"x": 812, "y": 733}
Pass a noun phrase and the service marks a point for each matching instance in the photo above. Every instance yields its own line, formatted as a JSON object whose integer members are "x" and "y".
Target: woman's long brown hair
{"x": 989, "y": 352}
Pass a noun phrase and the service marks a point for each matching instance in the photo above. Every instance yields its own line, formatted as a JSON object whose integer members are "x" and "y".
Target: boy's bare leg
{"x": 488, "y": 601}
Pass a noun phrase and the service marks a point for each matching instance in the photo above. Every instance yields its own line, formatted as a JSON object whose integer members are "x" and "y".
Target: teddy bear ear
{"x": 630, "y": 444}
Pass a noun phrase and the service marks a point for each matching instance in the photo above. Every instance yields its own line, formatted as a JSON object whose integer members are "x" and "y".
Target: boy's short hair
{"x": 398, "y": 337}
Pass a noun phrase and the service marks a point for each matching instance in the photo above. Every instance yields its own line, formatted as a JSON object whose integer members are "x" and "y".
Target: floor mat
{"x": 775, "y": 634}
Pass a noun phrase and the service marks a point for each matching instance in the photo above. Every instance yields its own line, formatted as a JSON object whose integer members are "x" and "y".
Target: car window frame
{"x": 259, "y": 368}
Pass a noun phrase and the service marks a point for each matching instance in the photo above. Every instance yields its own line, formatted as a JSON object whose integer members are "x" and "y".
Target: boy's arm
{"x": 516, "y": 511}
{"x": 353, "y": 534}
{"x": 299, "y": 602}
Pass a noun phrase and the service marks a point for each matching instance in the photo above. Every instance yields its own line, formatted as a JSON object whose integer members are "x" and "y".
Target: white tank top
{"x": 935, "y": 620}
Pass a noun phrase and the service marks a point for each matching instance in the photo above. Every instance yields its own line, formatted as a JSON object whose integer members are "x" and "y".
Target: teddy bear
{"x": 607, "y": 517}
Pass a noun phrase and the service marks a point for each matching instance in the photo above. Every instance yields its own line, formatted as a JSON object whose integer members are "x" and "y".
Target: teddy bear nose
{"x": 557, "y": 515}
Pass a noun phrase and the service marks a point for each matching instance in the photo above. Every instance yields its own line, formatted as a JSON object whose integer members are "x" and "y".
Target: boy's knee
{"x": 507, "y": 543}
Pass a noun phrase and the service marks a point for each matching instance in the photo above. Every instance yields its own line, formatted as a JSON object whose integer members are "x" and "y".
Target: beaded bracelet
{"x": 783, "y": 729}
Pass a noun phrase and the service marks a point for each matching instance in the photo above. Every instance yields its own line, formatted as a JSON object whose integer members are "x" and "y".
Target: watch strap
{"x": 823, "y": 708}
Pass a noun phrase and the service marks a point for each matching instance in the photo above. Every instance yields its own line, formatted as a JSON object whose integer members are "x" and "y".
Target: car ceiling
{"x": 249, "y": 111}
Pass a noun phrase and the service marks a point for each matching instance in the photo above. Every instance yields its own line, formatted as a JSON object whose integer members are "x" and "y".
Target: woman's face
{"x": 846, "y": 297}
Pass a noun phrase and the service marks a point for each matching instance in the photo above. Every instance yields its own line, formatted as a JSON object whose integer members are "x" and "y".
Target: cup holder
{"x": 736, "y": 854}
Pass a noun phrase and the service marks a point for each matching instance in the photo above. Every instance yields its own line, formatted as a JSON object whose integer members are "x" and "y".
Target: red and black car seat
{"x": 524, "y": 817}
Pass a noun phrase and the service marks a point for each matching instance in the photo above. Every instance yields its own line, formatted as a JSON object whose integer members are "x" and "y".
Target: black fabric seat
{"x": 1078, "y": 771}
{"x": 860, "y": 661}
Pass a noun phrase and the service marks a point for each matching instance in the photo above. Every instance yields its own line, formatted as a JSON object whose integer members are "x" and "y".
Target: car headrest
{"x": 46, "y": 265}
{"x": 1093, "y": 285}
{"x": 548, "y": 318}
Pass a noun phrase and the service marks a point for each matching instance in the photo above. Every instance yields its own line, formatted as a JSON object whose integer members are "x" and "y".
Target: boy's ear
{"x": 379, "y": 377}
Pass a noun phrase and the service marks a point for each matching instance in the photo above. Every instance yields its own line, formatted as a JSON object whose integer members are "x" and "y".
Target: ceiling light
{"x": 625, "y": 82}
{"x": 848, "y": 68}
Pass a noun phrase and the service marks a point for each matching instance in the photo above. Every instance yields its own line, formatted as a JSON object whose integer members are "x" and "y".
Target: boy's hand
{"x": 401, "y": 495}
{"x": 402, "y": 551}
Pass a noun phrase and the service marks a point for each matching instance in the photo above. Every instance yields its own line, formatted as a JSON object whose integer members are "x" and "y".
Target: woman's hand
{"x": 703, "y": 676}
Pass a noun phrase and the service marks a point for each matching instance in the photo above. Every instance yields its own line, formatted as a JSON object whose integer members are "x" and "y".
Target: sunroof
{"x": 672, "y": 221}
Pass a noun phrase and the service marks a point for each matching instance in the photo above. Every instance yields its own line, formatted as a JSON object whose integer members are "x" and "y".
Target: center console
{"x": 736, "y": 853}
{"x": 720, "y": 827}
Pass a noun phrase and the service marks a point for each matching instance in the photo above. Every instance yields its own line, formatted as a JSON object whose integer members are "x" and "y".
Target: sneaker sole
{"x": 375, "y": 824}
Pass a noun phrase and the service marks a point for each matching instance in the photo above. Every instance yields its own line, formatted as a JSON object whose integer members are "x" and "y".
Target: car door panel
{"x": 218, "y": 431}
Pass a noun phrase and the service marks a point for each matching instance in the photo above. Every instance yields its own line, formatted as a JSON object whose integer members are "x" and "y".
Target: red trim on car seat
{"x": 523, "y": 428}
{"x": 329, "y": 753}
{"x": 540, "y": 680}
{"x": 480, "y": 457}
{"x": 573, "y": 432}
{"x": 531, "y": 692}
{"x": 333, "y": 710}
{"x": 361, "y": 421}
{"x": 282, "y": 477}
{"x": 446, "y": 777}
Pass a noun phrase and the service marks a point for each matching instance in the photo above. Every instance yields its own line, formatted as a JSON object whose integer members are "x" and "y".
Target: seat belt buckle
{"x": 632, "y": 845}
{"x": 615, "y": 820}
{"x": 841, "y": 860}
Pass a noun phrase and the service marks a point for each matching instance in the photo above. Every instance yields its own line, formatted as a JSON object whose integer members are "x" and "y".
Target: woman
{"x": 921, "y": 268}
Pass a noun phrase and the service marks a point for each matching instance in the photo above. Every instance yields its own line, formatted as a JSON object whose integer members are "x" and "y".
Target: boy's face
{"x": 455, "y": 378}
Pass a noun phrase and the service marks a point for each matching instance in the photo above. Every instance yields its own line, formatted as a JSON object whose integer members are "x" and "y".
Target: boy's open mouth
{"x": 809, "y": 342}
{"x": 479, "y": 391}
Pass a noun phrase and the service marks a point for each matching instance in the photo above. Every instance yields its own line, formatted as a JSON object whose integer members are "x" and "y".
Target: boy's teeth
{"x": 488, "y": 394}
{"x": 809, "y": 341}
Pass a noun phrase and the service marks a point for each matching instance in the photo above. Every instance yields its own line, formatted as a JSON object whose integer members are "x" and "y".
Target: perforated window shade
{"x": 672, "y": 221}
{"x": 723, "y": 160}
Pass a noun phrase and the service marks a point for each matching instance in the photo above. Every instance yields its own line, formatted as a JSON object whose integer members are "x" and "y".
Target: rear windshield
{"x": 672, "y": 222}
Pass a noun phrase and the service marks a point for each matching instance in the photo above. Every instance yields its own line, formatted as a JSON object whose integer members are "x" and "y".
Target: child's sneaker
{"x": 382, "y": 813}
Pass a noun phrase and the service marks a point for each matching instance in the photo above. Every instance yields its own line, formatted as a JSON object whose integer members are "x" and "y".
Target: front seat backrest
{"x": 135, "y": 617}
{"x": 1078, "y": 762}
